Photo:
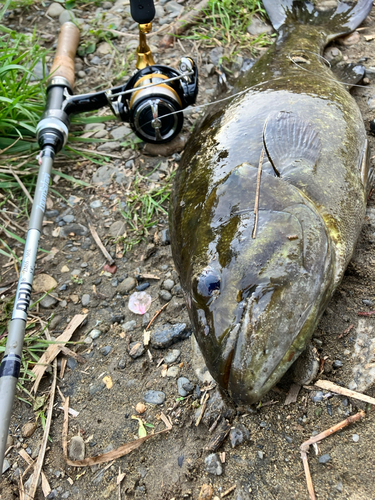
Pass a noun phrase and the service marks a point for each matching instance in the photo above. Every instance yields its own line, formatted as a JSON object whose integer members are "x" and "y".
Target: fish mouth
{"x": 251, "y": 373}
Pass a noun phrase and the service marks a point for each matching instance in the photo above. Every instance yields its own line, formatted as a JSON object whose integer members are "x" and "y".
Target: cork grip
{"x": 63, "y": 64}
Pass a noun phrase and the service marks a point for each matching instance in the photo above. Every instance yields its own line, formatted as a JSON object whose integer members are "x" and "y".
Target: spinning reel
{"x": 151, "y": 101}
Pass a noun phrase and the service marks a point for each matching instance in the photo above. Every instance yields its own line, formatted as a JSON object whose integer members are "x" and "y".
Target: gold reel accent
{"x": 144, "y": 56}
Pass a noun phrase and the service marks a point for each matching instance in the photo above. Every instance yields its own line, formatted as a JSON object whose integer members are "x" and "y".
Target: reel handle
{"x": 63, "y": 64}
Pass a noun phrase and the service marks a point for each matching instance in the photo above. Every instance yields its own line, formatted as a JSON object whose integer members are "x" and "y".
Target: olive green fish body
{"x": 267, "y": 207}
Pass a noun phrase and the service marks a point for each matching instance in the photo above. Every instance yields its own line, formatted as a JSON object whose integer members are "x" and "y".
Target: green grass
{"x": 145, "y": 203}
{"x": 224, "y": 24}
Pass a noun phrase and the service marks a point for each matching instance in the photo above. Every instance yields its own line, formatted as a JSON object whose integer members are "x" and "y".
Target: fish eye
{"x": 208, "y": 283}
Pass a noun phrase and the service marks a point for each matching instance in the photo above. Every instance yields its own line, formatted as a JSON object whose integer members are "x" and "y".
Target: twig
{"x": 330, "y": 386}
{"x": 205, "y": 399}
{"x": 226, "y": 493}
{"x": 306, "y": 445}
{"x": 256, "y": 205}
{"x": 100, "y": 244}
{"x": 345, "y": 332}
{"x": 22, "y": 186}
{"x": 366, "y": 313}
{"x": 156, "y": 315}
{"x": 40, "y": 460}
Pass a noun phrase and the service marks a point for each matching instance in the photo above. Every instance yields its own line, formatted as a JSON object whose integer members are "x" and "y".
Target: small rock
{"x": 121, "y": 133}
{"x": 48, "y": 302}
{"x": 167, "y": 335}
{"x": 140, "y": 408}
{"x": 165, "y": 295}
{"x": 109, "y": 146}
{"x": 337, "y": 363}
{"x": 333, "y": 55}
{"x": 142, "y": 287}
{"x": 184, "y": 386}
{"x": 94, "y": 334}
{"x": 324, "y": 458}
{"x": 106, "y": 350}
{"x": 96, "y": 204}
{"x": 215, "y": 55}
{"x": 168, "y": 284}
{"x": 206, "y": 492}
{"x": 6, "y": 466}
{"x": 339, "y": 486}
{"x": 355, "y": 438}
{"x": 129, "y": 326}
{"x": 155, "y": 397}
{"x": 351, "y": 39}
{"x": 81, "y": 74}
{"x": 85, "y": 300}
{"x": 96, "y": 61}
{"x": 76, "y": 229}
{"x": 172, "y": 356}
{"x": 77, "y": 448}
{"x": 43, "y": 283}
{"x": 117, "y": 229}
{"x": 175, "y": 146}
{"x": 165, "y": 238}
{"x": 260, "y": 454}
{"x": 66, "y": 16}
{"x": 71, "y": 363}
{"x": 367, "y": 302}
{"x": 174, "y": 7}
{"x": 172, "y": 372}
{"x": 257, "y": 27}
{"x": 29, "y": 429}
{"x": 289, "y": 439}
{"x": 55, "y": 9}
{"x": 213, "y": 464}
{"x": 97, "y": 387}
{"x": 136, "y": 349}
{"x": 122, "y": 363}
{"x": 10, "y": 441}
{"x": 104, "y": 49}
{"x": 316, "y": 396}
{"x": 127, "y": 285}
{"x": 238, "y": 435}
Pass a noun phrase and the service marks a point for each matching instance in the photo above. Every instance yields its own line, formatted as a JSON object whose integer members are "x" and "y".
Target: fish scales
{"x": 268, "y": 203}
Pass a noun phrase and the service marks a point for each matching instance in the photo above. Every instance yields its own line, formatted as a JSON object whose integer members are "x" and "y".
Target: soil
{"x": 267, "y": 464}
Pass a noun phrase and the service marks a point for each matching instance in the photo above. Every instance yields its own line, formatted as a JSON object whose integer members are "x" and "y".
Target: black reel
{"x": 154, "y": 109}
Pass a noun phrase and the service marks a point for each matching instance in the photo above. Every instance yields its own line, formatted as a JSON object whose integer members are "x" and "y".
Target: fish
{"x": 268, "y": 202}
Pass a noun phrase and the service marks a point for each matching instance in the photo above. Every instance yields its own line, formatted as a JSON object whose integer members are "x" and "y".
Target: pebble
{"x": 97, "y": 387}
{"x": 85, "y": 300}
{"x": 109, "y": 146}
{"x": 367, "y": 302}
{"x": 337, "y": 363}
{"x": 172, "y": 356}
{"x": 71, "y": 363}
{"x": 81, "y": 74}
{"x": 6, "y": 465}
{"x": 333, "y": 55}
{"x": 154, "y": 397}
{"x": 351, "y": 39}
{"x": 129, "y": 326}
{"x": 77, "y": 448}
{"x": 136, "y": 349}
{"x": 289, "y": 439}
{"x": 216, "y": 54}
{"x": 339, "y": 486}
{"x": 28, "y": 429}
{"x": 94, "y": 334}
{"x": 206, "y": 492}
{"x": 48, "y": 302}
{"x": 122, "y": 363}
{"x": 169, "y": 334}
{"x": 174, "y": 7}
{"x": 68, "y": 218}
{"x": 140, "y": 408}
{"x": 66, "y": 16}
{"x": 316, "y": 396}
{"x": 355, "y": 438}
{"x": 127, "y": 285}
{"x": 324, "y": 458}
{"x": 172, "y": 371}
{"x": 165, "y": 238}
{"x": 117, "y": 229}
{"x": 165, "y": 295}
{"x": 168, "y": 284}
{"x": 105, "y": 350}
{"x": 238, "y": 435}
{"x": 184, "y": 386}
{"x": 257, "y": 27}
{"x": 121, "y": 133}
{"x": 260, "y": 454}
{"x": 142, "y": 287}
{"x": 96, "y": 204}
{"x": 213, "y": 464}
{"x": 55, "y": 9}
{"x": 76, "y": 229}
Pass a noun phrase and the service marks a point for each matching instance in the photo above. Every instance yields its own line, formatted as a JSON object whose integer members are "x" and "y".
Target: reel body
{"x": 154, "y": 98}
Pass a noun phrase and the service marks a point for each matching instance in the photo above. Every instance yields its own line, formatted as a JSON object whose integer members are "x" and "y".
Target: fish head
{"x": 256, "y": 288}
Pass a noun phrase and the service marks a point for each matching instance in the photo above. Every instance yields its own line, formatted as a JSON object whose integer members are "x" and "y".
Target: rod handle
{"x": 63, "y": 64}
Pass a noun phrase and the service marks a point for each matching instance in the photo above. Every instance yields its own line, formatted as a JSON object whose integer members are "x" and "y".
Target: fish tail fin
{"x": 343, "y": 19}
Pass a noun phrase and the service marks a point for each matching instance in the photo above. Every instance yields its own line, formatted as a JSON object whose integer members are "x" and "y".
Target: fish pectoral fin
{"x": 350, "y": 74}
{"x": 290, "y": 143}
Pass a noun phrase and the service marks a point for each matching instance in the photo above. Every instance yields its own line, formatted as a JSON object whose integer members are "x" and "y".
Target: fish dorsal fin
{"x": 290, "y": 142}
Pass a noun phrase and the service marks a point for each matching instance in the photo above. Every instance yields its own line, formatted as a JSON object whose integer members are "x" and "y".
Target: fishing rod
{"x": 151, "y": 101}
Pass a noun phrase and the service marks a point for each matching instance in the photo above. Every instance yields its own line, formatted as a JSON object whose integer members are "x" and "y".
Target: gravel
{"x": 154, "y": 397}
{"x": 168, "y": 335}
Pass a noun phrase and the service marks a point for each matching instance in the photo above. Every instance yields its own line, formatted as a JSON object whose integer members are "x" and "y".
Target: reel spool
{"x": 154, "y": 110}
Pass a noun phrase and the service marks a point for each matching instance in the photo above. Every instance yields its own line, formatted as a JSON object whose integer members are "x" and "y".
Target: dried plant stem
{"x": 306, "y": 445}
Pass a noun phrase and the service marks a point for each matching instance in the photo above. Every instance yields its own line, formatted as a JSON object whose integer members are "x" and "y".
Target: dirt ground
{"x": 267, "y": 464}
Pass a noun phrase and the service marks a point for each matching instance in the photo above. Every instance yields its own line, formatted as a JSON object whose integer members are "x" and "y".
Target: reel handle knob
{"x": 142, "y": 11}
{"x": 63, "y": 64}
